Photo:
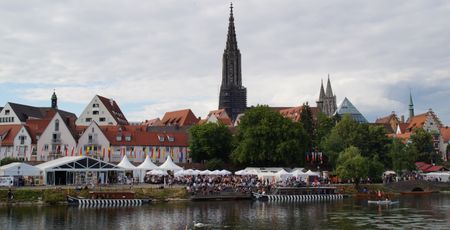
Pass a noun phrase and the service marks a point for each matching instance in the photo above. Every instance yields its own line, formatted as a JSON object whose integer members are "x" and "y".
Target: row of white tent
{"x": 279, "y": 174}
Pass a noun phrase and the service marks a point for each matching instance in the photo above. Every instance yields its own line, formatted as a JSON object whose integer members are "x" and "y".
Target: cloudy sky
{"x": 158, "y": 56}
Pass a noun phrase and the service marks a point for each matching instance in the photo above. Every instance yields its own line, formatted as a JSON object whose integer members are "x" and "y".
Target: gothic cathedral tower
{"x": 233, "y": 96}
{"x": 327, "y": 100}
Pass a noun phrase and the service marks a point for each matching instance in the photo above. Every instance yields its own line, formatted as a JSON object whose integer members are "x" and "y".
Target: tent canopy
{"x": 19, "y": 169}
{"x": 157, "y": 172}
{"x": 168, "y": 165}
{"x": 147, "y": 164}
{"x": 126, "y": 164}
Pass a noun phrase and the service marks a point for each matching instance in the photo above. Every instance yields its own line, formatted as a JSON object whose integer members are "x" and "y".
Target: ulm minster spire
{"x": 233, "y": 96}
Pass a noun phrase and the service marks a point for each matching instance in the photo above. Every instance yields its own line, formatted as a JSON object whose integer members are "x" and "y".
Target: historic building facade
{"x": 233, "y": 96}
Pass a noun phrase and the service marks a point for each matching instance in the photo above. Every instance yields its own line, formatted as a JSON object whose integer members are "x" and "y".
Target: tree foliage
{"x": 210, "y": 141}
{"x": 308, "y": 124}
{"x": 266, "y": 138}
{"x": 352, "y": 165}
{"x": 402, "y": 156}
{"x": 8, "y": 160}
{"x": 422, "y": 141}
{"x": 370, "y": 140}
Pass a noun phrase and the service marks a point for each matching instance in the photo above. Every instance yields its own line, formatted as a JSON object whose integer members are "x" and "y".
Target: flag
{"x": 181, "y": 155}
{"x": 81, "y": 151}
{"x": 73, "y": 149}
{"x": 307, "y": 157}
{"x": 104, "y": 152}
{"x": 109, "y": 153}
{"x": 159, "y": 152}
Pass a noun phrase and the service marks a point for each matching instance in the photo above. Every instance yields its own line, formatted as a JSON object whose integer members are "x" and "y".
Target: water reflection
{"x": 411, "y": 213}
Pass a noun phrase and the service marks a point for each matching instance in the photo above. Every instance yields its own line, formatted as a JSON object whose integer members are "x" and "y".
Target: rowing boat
{"x": 387, "y": 202}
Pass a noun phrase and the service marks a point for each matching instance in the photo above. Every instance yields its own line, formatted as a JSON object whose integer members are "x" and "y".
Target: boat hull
{"x": 76, "y": 201}
{"x": 297, "y": 198}
{"x": 382, "y": 202}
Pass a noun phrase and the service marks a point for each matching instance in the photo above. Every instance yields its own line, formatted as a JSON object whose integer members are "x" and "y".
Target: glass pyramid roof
{"x": 346, "y": 107}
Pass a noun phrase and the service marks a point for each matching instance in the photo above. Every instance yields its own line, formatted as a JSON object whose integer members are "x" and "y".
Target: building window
{"x": 128, "y": 138}
{"x": 171, "y": 139}
{"x": 56, "y": 125}
{"x": 95, "y": 112}
{"x": 45, "y": 147}
{"x": 90, "y": 139}
{"x": 7, "y": 112}
{"x": 22, "y": 139}
{"x": 88, "y": 119}
{"x": 160, "y": 138}
{"x": 119, "y": 138}
{"x": 95, "y": 105}
{"x": 102, "y": 119}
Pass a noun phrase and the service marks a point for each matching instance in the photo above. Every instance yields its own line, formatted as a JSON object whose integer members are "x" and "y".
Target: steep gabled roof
{"x": 114, "y": 109}
{"x": 25, "y": 112}
{"x": 183, "y": 117}
{"x": 346, "y": 107}
{"x": 152, "y": 122}
{"x": 419, "y": 120}
{"x": 8, "y": 133}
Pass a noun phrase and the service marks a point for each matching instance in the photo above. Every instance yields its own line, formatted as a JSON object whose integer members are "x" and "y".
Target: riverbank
{"x": 57, "y": 195}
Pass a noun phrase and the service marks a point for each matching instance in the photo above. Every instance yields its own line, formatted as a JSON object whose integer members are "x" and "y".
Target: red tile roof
{"x": 403, "y": 127}
{"x": 152, "y": 122}
{"x": 294, "y": 113}
{"x": 8, "y": 133}
{"x": 36, "y": 127}
{"x": 419, "y": 120}
{"x": 183, "y": 117}
{"x": 424, "y": 167}
{"x": 114, "y": 110}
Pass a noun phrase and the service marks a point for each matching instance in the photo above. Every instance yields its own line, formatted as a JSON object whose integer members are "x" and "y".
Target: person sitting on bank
{"x": 10, "y": 195}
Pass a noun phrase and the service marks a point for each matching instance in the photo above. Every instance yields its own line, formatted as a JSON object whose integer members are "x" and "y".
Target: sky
{"x": 158, "y": 56}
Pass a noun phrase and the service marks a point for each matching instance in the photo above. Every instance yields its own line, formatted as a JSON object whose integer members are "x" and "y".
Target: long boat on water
{"x": 300, "y": 194}
{"x": 107, "y": 199}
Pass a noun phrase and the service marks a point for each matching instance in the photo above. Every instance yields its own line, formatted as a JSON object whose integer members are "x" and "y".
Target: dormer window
{"x": 160, "y": 138}
{"x": 119, "y": 138}
{"x": 128, "y": 138}
{"x": 170, "y": 139}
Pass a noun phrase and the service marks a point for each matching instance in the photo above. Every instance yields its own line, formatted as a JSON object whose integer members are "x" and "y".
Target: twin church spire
{"x": 327, "y": 100}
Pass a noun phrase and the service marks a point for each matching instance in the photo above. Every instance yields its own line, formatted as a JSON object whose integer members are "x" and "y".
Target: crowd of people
{"x": 213, "y": 184}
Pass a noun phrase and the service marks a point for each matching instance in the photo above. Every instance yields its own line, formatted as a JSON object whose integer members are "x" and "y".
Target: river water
{"x": 427, "y": 212}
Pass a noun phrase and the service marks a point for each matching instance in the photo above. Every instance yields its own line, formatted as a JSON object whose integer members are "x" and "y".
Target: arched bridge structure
{"x": 416, "y": 186}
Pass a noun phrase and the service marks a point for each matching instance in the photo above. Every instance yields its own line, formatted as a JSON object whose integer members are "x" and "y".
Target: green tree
{"x": 8, "y": 160}
{"x": 402, "y": 156}
{"x": 423, "y": 142}
{"x": 210, "y": 141}
{"x": 266, "y": 138}
{"x": 352, "y": 165}
{"x": 324, "y": 125}
{"x": 375, "y": 169}
{"x": 308, "y": 124}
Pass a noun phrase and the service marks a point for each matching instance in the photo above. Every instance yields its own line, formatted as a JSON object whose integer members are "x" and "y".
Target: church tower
{"x": 233, "y": 96}
{"x": 54, "y": 101}
{"x": 327, "y": 100}
{"x": 411, "y": 107}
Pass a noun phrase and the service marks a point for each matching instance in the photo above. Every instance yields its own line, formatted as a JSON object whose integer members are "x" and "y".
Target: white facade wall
{"x": 6, "y": 151}
{"x": 8, "y": 117}
{"x": 95, "y": 141}
{"x": 54, "y": 140}
{"x": 96, "y": 111}
{"x": 158, "y": 154}
{"x": 22, "y": 145}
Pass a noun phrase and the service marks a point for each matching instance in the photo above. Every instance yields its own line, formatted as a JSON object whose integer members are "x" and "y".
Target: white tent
{"x": 311, "y": 173}
{"x": 206, "y": 172}
{"x": 245, "y": 172}
{"x": 19, "y": 169}
{"x": 283, "y": 174}
{"x": 157, "y": 172}
{"x": 144, "y": 167}
{"x": 180, "y": 173}
{"x": 191, "y": 172}
{"x": 224, "y": 172}
{"x": 216, "y": 173}
{"x": 300, "y": 174}
{"x": 168, "y": 165}
{"x": 126, "y": 164}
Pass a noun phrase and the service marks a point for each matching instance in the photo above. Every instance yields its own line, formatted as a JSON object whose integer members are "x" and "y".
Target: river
{"x": 427, "y": 212}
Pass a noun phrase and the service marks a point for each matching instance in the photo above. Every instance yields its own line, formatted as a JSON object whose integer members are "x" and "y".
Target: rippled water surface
{"x": 428, "y": 212}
